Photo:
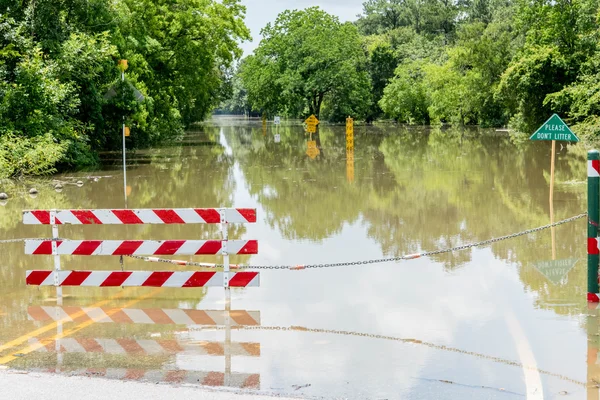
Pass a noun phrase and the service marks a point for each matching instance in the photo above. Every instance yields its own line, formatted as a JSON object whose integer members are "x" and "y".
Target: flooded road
{"x": 508, "y": 320}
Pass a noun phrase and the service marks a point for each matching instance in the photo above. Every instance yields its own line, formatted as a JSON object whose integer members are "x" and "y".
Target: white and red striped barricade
{"x": 223, "y": 247}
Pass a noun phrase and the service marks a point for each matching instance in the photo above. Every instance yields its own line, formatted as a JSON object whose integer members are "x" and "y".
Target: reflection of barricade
{"x": 237, "y": 380}
{"x": 223, "y": 247}
{"x": 159, "y": 316}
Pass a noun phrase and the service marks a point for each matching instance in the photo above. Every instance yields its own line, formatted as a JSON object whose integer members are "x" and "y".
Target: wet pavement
{"x": 508, "y": 320}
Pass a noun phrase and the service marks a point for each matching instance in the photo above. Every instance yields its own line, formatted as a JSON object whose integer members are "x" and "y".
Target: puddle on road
{"x": 431, "y": 327}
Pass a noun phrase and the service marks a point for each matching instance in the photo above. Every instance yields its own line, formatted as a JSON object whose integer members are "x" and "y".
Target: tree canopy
{"x": 58, "y": 62}
{"x": 308, "y": 60}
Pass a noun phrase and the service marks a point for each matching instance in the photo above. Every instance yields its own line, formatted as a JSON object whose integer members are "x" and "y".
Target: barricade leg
{"x": 593, "y": 220}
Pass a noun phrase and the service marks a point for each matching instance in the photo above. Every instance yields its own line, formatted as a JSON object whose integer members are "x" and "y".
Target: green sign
{"x": 555, "y": 270}
{"x": 555, "y": 129}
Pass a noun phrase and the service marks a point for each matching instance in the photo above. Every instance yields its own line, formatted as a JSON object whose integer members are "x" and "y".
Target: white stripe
{"x": 107, "y": 217}
{"x": 107, "y": 247}
{"x": 57, "y": 313}
{"x": 233, "y": 216}
{"x": 67, "y": 217}
{"x": 111, "y": 346}
{"x": 234, "y": 246}
{"x": 592, "y": 173}
{"x": 96, "y": 278}
{"x": 179, "y": 317}
{"x": 138, "y": 316}
{"x": 137, "y": 278}
{"x": 190, "y": 247}
{"x": 150, "y": 346}
{"x": 30, "y": 219}
{"x": 178, "y": 279}
{"x": 219, "y": 316}
{"x": 97, "y": 314}
{"x": 68, "y": 246}
{"x": 148, "y": 217}
{"x": 189, "y": 216}
{"x": 71, "y": 345}
{"x": 49, "y": 281}
{"x": 149, "y": 247}
{"x": 154, "y": 375}
{"x": 216, "y": 280}
{"x": 32, "y": 245}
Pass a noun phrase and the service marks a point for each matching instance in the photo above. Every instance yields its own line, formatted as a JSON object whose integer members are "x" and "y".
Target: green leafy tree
{"x": 306, "y": 58}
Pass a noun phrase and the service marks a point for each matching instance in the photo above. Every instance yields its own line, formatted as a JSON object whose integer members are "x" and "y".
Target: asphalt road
{"x": 17, "y": 385}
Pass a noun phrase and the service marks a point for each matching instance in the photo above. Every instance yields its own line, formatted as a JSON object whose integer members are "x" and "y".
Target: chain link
{"x": 392, "y": 338}
{"x": 22, "y": 240}
{"x": 368, "y": 262}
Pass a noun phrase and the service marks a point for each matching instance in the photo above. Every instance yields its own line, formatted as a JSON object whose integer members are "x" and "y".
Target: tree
{"x": 305, "y": 58}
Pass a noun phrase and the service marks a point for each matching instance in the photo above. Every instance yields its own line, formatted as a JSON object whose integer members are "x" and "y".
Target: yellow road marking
{"x": 68, "y": 332}
{"x": 22, "y": 339}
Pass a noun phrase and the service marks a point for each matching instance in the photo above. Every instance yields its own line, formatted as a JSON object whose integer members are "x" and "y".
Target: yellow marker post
{"x": 350, "y": 149}
{"x": 127, "y": 131}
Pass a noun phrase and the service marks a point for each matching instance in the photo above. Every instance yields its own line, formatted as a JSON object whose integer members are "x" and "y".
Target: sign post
{"x": 554, "y": 129}
{"x": 123, "y": 67}
{"x": 277, "y": 122}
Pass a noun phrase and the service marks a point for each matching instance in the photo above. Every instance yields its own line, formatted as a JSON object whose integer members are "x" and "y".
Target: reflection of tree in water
{"x": 304, "y": 198}
{"x": 430, "y": 190}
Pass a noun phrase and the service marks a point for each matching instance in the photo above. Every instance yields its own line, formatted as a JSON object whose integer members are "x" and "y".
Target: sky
{"x": 261, "y": 12}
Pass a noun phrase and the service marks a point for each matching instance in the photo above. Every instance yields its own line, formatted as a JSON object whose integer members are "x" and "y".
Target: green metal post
{"x": 593, "y": 220}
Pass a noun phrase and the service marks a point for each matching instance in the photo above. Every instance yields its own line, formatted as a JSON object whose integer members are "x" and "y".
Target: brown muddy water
{"x": 507, "y": 320}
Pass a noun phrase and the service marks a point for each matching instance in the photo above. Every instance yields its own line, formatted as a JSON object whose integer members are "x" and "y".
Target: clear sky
{"x": 261, "y": 12}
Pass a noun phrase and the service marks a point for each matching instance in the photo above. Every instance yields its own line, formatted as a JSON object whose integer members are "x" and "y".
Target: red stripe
{"x": 76, "y": 278}
{"x": 250, "y": 248}
{"x": 593, "y": 246}
{"x": 127, "y": 217}
{"x": 596, "y": 165}
{"x": 214, "y": 379}
{"x": 593, "y": 298}
{"x": 169, "y": 216}
{"x": 90, "y": 345}
{"x": 157, "y": 279}
{"x": 210, "y": 215}
{"x": 116, "y": 278}
{"x": 44, "y": 248}
{"x": 248, "y": 213}
{"x": 42, "y": 216}
{"x": 210, "y": 247}
{"x": 169, "y": 247}
{"x": 86, "y": 217}
{"x": 199, "y": 279}
{"x": 37, "y": 277}
{"x": 128, "y": 247}
{"x": 242, "y": 279}
{"x": 253, "y": 382}
{"x": 87, "y": 247}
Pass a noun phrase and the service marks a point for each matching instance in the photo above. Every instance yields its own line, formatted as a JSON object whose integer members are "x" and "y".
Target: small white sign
{"x": 277, "y": 138}
{"x": 277, "y": 120}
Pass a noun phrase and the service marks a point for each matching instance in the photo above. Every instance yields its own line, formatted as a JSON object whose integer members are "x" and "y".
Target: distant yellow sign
{"x": 127, "y": 131}
{"x": 311, "y": 124}
{"x": 312, "y": 151}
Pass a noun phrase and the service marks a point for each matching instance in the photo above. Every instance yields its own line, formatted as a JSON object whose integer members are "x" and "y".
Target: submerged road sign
{"x": 312, "y": 149}
{"x": 555, "y": 129}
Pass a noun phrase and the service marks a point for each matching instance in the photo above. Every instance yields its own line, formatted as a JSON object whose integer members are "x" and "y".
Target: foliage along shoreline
{"x": 492, "y": 63}
{"x": 62, "y": 98}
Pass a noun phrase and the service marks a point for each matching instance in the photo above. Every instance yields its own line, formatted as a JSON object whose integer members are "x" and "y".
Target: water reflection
{"x": 379, "y": 331}
{"x": 147, "y": 344}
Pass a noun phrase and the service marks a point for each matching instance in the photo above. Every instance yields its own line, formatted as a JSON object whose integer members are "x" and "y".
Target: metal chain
{"x": 368, "y": 262}
{"x": 22, "y": 240}
{"x": 392, "y": 338}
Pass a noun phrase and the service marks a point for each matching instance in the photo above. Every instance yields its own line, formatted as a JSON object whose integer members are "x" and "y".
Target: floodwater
{"x": 501, "y": 321}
